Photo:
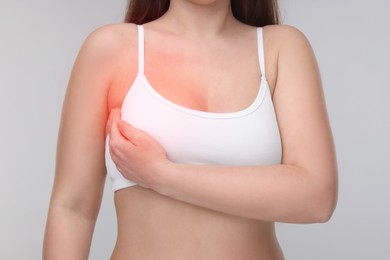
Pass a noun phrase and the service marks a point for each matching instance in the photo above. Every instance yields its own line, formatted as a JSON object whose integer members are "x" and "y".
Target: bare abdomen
{"x": 153, "y": 226}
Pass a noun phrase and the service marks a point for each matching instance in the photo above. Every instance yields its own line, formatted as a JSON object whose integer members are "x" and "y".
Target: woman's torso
{"x": 153, "y": 226}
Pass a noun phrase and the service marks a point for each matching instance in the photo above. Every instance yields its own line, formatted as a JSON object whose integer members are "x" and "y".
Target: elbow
{"x": 324, "y": 214}
{"x": 323, "y": 196}
{"x": 83, "y": 208}
{"x": 324, "y": 206}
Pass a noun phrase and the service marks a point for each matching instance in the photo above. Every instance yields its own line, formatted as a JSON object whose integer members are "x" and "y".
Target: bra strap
{"x": 141, "y": 49}
{"x": 260, "y": 50}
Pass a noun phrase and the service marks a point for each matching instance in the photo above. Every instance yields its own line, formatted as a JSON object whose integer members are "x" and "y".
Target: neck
{"x": 196, "y": 20}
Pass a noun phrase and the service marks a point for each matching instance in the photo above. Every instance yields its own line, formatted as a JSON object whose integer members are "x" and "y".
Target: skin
{"x": 180, "y": 211}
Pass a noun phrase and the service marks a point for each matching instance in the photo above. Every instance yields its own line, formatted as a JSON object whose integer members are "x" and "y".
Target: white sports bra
{"x": 247, "y": 137}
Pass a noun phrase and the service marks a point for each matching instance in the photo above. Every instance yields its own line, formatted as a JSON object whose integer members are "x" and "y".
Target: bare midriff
{"x": 154, "y": 226}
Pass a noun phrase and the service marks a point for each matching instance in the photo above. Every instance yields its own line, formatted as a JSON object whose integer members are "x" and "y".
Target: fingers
{"x": 115, "y": 115}
{"x": 121, "y": 130}
{"x": 116, "y": 138}
{"x": 131, "y": 133}
{"x": 113, "y": 112}
{"x": 109, "y": 122}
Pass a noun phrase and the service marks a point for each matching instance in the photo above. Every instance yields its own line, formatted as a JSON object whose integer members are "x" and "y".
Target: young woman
{"x": 210, "y": 120}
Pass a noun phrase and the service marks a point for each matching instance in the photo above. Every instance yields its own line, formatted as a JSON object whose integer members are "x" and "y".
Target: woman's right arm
{"x": 80, "y": 167}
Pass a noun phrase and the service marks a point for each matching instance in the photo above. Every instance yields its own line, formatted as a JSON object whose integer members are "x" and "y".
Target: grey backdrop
{"x": 39, "y": 42}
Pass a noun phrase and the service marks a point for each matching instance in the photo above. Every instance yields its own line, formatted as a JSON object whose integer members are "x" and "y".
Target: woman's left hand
{"x": 137, "y": 155}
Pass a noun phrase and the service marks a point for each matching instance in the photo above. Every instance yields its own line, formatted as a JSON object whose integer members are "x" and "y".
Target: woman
{"x": 222, "y": 131}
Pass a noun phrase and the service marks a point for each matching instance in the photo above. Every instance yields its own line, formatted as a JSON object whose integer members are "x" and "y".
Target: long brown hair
{"x": 252, "y": 12}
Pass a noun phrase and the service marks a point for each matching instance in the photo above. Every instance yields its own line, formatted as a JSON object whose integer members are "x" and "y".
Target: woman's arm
{"x": 303, "y": 189}
{"x": 80, "y": 168}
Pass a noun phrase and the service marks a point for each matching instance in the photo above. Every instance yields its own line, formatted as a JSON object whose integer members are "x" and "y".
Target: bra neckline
{"x": 206, "y": 114}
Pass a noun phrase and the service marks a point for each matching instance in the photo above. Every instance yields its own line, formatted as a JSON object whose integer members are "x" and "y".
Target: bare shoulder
{"x": 110, "y": 40}
{"x": 294, "y": 53}
{"x": 113, "y": 32}
{"x": 115, "y": 49}
{"x": 277, "y": 40}
{"x": 283, "y": 35}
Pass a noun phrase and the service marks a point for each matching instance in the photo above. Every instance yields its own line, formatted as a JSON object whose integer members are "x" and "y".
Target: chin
{"x": 204, "y": 2}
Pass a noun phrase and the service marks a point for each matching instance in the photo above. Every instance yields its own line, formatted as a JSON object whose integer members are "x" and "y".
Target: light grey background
{"x": 39, "y": 41}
